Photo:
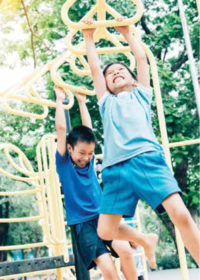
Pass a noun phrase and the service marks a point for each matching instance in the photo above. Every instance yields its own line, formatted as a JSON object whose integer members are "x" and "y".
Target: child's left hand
{"x": 122, "y": 29}
{"x": 81, "y": 98}
{"x": 88, "y": 31}
{"x": 60, "y": 93}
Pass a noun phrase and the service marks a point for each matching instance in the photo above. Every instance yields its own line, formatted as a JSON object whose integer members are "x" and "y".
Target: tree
{"x": 161, "y": 31}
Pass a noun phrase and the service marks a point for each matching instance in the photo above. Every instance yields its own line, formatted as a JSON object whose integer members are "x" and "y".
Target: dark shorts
{"x": 90, "y": 245}
{"x": 146, "y": 176}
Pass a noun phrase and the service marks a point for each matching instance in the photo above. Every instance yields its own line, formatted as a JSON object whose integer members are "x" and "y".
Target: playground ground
{"x": 169, "y": 274}
{"x": 173, "y": 274}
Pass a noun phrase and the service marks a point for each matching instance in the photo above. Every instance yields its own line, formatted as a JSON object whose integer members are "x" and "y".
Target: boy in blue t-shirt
{"x": 82, "y": 192}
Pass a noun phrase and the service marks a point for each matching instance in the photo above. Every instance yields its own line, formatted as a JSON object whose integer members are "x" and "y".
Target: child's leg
{"x": 107, "y": 267}
{"x": 110, "y": 228}
{"x": 127, "y": 260}
{"x": 182, "y": 219}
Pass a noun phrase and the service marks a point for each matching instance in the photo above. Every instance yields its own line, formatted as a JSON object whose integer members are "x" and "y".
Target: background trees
{"x": 33, "y": 32}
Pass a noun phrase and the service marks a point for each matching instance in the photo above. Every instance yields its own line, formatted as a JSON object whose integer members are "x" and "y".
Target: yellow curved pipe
{"x": 101, "y": 8}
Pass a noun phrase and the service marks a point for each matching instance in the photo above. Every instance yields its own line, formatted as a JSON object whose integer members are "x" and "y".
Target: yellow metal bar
{"x": 184, "y": 143}
{"x": 15, "y": 165}
{"x": 19, "y": 192}
{"x": 58, "y": 80}
{"x": 46, "y": 224}
{"x": 19, "y": 220}
{"x": 165, "y": 142}
{"x": 29, "y": 171}
{"x": 46, "y": 181}
{"x": 182, "y": 257}
{"x": 34, "y": 100}
{"x": 100, "y": 23}
{"x": 80, "y": 49}
{"x": 58, "y": 235}
{"x": 198, "y": 6}
{"x": 31, "y": 96}
{"x": 25, "y": 246}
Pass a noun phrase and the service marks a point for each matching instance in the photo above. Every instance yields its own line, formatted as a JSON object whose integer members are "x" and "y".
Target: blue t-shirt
{"x": 127, "y": 125}
{"x": 81, "y": 189}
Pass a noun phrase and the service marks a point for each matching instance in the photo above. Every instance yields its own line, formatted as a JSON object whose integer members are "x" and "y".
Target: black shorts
{"x": 90, "y": 245}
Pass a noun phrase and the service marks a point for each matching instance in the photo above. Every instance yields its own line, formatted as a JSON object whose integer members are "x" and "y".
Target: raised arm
{"x": 60, "y": 121}
{"x": 85, "y": 116}
{"x": 140, "y": 56}
{"x": 94, "y": 63}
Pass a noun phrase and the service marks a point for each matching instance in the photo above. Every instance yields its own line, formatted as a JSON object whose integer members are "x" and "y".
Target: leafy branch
{"x": 33, "y": 34}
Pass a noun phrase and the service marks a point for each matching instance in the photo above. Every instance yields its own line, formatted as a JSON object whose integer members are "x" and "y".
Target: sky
{"x": 9, "y": 77}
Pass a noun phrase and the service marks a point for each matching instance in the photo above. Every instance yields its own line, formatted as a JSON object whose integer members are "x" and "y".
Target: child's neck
{"x": 124, "y": 88}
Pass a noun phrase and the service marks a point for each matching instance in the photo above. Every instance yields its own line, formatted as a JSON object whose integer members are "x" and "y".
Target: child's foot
{"x": 149, "y": 248}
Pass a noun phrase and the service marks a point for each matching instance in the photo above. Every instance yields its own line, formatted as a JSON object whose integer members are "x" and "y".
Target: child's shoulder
{"x": 62, "y": 158}
{"x": 103, "y": 98}
{"x": 144, "y": 89}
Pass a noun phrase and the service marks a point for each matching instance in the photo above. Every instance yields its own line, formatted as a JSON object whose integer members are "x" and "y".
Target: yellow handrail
{"x": 99, "y": 8}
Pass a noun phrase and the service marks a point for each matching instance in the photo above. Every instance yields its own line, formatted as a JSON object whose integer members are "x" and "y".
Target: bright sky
{"x": 10, "y": 77}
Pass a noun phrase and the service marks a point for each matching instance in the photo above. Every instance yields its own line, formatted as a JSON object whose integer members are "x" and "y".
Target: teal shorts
{"x": 146, "y": 176}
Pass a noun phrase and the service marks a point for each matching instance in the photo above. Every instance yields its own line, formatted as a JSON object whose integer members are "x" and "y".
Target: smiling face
{"x": 118, "y": 78}
{"x": 81, "y": 153}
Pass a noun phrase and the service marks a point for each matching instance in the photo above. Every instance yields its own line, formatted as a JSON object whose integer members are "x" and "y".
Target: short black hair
{"x": 81, "y": 133}
{"x": 118, "y": 62}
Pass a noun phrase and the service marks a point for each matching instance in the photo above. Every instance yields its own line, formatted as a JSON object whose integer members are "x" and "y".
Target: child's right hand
{"x": 81, "y": 98}
{"x": 90, "y": 31}
{"x": 60, "y": 94}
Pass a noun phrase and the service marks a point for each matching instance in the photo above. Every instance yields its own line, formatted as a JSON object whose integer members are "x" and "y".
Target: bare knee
{"x": 123, "y": 249}
{"x": 126, "y": 254}
{"x": 109, "y": 272}
{"x": 106, "y": 233}
{"x": 108, "y": 226}
{"x": 107, "y": 267}
{"x": 181, "y": 217}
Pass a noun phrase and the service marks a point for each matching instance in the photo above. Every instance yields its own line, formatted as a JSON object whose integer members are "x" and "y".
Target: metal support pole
{"x": 190, "y": 55}
{"x": 67, "y": 116}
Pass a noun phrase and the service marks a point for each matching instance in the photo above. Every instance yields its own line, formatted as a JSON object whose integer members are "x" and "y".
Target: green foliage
{"x": 162, "y": 32}
{"x": 169, "y": 261}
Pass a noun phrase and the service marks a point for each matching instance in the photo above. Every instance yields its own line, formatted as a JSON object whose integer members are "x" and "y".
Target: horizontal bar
{"x": 24, "y": 246}
{"x": 183, "y": 143}
{"x": 25, "y": 192}
{"x": 20, "y": 220}
{"x": 37, "y": 264}
{"x": 33, "y": 273}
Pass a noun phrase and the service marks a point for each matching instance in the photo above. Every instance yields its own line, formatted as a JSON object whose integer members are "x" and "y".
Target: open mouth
{"x": 82, "y": 163}
{"x": 117, "y": 77}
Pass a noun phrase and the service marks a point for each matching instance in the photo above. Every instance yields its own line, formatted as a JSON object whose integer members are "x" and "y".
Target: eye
{"x": 109, "y": 73}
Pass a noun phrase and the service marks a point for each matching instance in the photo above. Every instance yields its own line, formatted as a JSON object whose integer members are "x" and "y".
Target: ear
{"x": 69, "y": 148}
{"x": 134, "y": 83}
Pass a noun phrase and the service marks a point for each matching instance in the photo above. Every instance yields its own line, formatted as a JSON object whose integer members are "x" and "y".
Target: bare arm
{"x": 94, "y": 63}
{"x": 85, "y": 116}
{"x": 140, "y": 56}
{"x": 60, "y": 121}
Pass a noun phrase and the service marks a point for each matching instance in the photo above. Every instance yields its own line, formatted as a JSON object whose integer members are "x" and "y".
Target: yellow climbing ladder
{"x": 44, "y": 183}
